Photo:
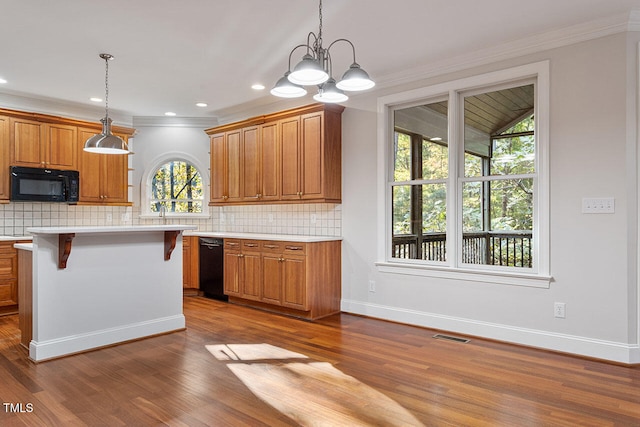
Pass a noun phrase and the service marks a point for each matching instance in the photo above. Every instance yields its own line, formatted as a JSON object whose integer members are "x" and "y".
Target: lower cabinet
{"x": 190, "y": 265}
{"x": 8, "y": 278}
{"x": 299, "y": 279}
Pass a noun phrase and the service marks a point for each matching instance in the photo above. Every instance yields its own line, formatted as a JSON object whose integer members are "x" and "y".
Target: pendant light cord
{"x": 106, "y": 86}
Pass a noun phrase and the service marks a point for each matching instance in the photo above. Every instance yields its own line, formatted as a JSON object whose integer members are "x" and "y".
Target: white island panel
{"x": 117, "y": 286}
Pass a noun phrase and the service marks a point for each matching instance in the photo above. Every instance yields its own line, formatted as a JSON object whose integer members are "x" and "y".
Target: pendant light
{"x": 106, "y": 142}
{"x": 315, "y": 68}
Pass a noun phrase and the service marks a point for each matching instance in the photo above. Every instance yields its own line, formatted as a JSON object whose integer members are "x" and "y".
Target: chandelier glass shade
{"x": 106, "y": 142}
{"x": 315, "y": 69}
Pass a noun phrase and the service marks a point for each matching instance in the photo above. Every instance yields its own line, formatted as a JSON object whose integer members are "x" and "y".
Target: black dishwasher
{"x": 211, "y": 268}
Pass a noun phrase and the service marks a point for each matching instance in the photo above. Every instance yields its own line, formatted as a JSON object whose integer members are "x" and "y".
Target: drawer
{"x": 250, "y": 245}
{"x": 232, "y": 244}
{"x": 9, "y": 267}
{"x": 272, "y": 246}
{"x": 295, "y": 248}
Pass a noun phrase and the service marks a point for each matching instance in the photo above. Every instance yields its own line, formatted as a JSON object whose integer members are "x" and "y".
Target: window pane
{"x": 177, "y": 186}
{"x": 498, "y": 222}
{"x": 420, "y": 149}
{"x": 419, "y": 222}
{"x": 502, "y": 113}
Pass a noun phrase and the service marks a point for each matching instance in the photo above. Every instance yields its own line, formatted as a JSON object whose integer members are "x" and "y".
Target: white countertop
{"x": 112, "y": 229}
{"x": 14, "y": 238}
{"x": 263, "y": 236}
{"x": 24, "y": 246}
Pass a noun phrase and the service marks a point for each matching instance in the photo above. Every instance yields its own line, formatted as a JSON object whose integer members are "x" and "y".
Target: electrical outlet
{"x": 372, "y": 285}
{"x": 559, "y": 310}
{"x": 109, "y": 218}
{"x": 314, "y": 218}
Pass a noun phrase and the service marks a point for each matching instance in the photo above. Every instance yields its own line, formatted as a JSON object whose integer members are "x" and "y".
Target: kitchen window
{"x": 466, "y": 179}
{"x": 175, "y": 187}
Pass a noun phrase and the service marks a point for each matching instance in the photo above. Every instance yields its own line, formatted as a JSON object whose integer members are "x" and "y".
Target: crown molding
{"x": 183, "y": 122}
{"x": 545, "y": 41}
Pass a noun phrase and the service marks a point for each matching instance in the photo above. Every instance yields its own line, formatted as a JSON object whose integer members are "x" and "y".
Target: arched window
{"x": 177, "y": 186}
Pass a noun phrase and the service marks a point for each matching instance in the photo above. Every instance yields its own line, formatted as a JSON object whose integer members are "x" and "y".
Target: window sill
{"x": 494, "y": 277}
{"x": 176, "y": 216}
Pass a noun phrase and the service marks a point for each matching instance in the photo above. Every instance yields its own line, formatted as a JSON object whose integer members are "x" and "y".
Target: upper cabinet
{"x": 103, "y": 177}
{"x": 43, "y": 141}
{"x": 290, "y": 156}
{"x": 43, "y": 145}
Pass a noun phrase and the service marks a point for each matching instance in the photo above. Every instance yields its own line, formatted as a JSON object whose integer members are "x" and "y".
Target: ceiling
{"x": 171, "y": 54}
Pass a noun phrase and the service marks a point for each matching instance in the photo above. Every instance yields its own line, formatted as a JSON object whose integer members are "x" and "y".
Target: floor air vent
{"x": 450, "y": 338}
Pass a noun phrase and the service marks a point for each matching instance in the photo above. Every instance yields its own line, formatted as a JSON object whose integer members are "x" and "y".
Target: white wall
{"x": 593, "y": 257}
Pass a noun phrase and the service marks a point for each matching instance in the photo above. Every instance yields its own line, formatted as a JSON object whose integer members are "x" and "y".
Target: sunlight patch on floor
{"x": 311, "y": 393}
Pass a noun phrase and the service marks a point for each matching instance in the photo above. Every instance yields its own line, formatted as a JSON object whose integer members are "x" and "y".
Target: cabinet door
{"x": 251, "y": 275}
{"x": 290, "y": 166}
{"x": 232, "y": 273}
{"x": 28, "y": 140}
{"x": 61, "y": 150}
{"x": 312, "y": 156}
{"x": 269, "y": 161}
{"x": 272, "y": 278}
{"x": 89, "y": 167}
{"x": 251, "y": 163}
{"x": 218, "y": 170}
{"x": 234, "y": 165}
{"x": 294, "y": 283}
{"x": 114, "y": 182}
{"x": 4, "y": 158}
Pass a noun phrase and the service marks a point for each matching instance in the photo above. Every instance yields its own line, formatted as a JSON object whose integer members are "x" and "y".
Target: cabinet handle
{"x": 270, "y": 246}
{"x": 250, "y": 245}
{"x": 293, "y": 248}
{"x": 225, "y": 197}
{"x": 240, "y": 255}
{"x": 281, "y": 259}
{"x": 232, "y": 244}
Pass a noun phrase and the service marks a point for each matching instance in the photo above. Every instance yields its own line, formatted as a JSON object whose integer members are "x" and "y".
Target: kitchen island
{"x": 96, "y": 286}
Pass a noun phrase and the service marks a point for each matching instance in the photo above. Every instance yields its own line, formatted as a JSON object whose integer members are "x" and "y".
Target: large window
{"x": 467, "y": 185}
{"x": 177, "y": 187}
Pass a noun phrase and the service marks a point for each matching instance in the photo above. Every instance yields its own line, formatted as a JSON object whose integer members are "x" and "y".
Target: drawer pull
{"x": 293, "y": 248}
{"x": 250, "y": 245}
{"x": 271, "y": 246}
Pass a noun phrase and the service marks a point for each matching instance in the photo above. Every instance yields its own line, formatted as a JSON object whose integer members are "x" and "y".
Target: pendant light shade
{"x": 308, "y": 72}
{"x": 315, "y": 68}
{"x": 355, "y": 78}
{"x": 285, "y": 89}
{"x": 328, "y": 92}
{"x": 106, "y": 142}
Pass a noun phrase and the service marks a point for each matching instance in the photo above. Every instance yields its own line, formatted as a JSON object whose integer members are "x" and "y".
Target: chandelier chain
{"x": 319, "y": 41}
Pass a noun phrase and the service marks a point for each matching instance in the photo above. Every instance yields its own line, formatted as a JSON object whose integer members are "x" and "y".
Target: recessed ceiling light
{"x": 201, "y": 104}
{"x": 95, "y": 99}
{"x": 257, "y": 86}
{"x": 169, "y": 113}
{"x": 2, "y": 81}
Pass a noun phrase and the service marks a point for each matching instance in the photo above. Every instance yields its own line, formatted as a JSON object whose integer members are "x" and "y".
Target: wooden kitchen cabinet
{"x": 8, "y": 278}
{"x": 5, "y": 136}
{"x": 43, "y": 145}
{"x": 190, "y": 265}
{"x": 242, "y": 269}
{"x": 290, "y": 156}
{"x": 299, "y": 279}
{"x": 104, "y": 178}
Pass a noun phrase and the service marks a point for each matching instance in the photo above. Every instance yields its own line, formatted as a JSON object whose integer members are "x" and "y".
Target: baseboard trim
{"x": 64, "y": 346}
{"x": 581, "y": 346}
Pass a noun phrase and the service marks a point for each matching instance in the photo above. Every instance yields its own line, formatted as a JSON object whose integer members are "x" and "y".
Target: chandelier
{"x": 315, "y": 68}
{"x": 106, "y": 142}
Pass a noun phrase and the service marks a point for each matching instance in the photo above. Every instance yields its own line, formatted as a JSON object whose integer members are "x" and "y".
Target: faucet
{"x": 163, "y": 214}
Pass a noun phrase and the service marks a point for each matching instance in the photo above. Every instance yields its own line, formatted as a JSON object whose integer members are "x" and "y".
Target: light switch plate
{"x": 598, "y": 205}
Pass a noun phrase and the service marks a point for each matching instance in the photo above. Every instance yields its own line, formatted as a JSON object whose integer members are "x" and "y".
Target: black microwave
{"x": 44, "y": 185}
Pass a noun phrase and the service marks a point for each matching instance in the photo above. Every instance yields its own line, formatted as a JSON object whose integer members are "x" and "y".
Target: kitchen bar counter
{"x": 263, "y": 236}
{"x": 118, "y": 285}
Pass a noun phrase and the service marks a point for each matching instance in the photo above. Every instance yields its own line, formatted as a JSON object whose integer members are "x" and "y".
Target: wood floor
{"x": 261, "y": 369}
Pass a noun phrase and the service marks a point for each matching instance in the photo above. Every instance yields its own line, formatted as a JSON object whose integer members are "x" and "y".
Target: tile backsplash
{"x": 320, "y": 219}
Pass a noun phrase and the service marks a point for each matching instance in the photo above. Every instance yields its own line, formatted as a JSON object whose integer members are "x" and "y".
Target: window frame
{"x": 455, "y": 91}
{"x": 147, "y": 179}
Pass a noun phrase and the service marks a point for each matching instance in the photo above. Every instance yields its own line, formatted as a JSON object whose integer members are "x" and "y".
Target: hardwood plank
{"x": 367, "y": 371}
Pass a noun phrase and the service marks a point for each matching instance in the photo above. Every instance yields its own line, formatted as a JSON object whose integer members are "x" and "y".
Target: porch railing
{"x": 507, "y": 248}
